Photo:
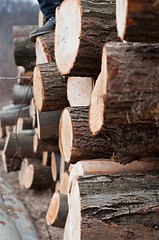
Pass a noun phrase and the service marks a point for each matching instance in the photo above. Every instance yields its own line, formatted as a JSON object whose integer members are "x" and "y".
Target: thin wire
{"x": 14, "y": 78}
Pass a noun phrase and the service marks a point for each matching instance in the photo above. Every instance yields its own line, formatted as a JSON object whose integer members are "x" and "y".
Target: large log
{"x": 33, "y": 175}
{"x": 79, "y": 39}
{"x": 44, "y": 48}
{"x": 138, "y": 21}
{"x": 126, "y": 91}
{"x": 57, "y": 211}
{"x": 123, "y": 143}
{"x": 114, "y": 207}
{"x": 79, "y": 90}
{"x": 17, "y": 213}
{"x": 22, "y": 94}
{"x": 48, "y": 124}
{"x": 50, "y": 88}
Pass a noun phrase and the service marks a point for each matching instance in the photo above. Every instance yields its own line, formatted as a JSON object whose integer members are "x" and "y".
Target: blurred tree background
{"x": 12, "y": 12}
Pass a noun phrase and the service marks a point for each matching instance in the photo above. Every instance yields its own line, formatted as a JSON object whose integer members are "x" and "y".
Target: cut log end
{"x": 53, "y": 209}
{"x": 65, "y": 135}
{"x": 42, "y": 54}
{"x": 38, "y": 88}
{"x": 67, "y": 32}
{"x": 96, "y": 112}
{"x": 121, "y": 15}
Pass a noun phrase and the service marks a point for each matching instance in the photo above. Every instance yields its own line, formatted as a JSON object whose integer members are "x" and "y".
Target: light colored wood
{"x": 46, "y": 158}
{"x": 57, "y": 211}
{"x": 44, "y": 48}
{"x": 79, "y": 39}
{"x": 24, "y": 124}
{"x": 41, "y": 19}
{"x": 79, "y": 90}
{"x": 64, "y": 183}
{"x": 24, "y": 78}
{"x": 135, "y": 20}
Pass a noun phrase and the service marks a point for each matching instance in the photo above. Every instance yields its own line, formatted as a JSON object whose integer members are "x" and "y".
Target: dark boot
{"x": 48, "y": 27}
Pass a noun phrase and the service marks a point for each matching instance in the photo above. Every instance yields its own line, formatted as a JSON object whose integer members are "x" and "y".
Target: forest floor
{"x": 36, "y": 202}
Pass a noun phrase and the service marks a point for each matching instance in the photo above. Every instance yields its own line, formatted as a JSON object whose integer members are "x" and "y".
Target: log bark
{"x": 44, "y": 48}
{"x": 2, "y": 132}
{"x": 127, "y": 88}
{"x": 123, "y": 143}
{"x": 9, "y": 117}
{"x": 50, "y": 88}
{"x": 79, "y": 90}
{"x": 24, "y": 47}
{"x": 17, "y": 213}
{"x": 22, "y": 94}
{"x": 2, "y": 143}
{"x": 138, "y": 21}
{"x": 33, "y": 175}
{"x": 79, "y": 39}
{"x": 18, "y": 146}
{"x": 41, "y": 145}
{"x": 57, "y": 211}
{"x": 122, "y": 207}
{"x": 48, "y": 124}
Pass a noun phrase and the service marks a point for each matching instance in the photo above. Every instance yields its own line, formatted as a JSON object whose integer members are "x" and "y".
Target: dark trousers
{"x": 48, "y": 7}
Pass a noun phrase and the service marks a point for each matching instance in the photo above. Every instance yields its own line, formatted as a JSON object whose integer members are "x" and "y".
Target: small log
{"x": 17, "y": 213}
{"x": 24, "y": 123}
{"x": 79, "y": 90}
{"x": 55, "y": 165}
{"x": 126, "y": 91}
{"x": 33, "y": 175}
{"x": 123, "y": 143}
{"x": 24, "y": 78}
{"x": 41, "y": 145}
{"x": 138, "y": 21}
{"x": 102, "y": 206}
{"x": 9, "y": 117}
{"x": 79, "y": 39}
{"x": 50, "y": 88}
{"x": 32, "y": 112}
{"x": 8, "y": 229}
{"x": 24, "y": 47}
{"x": 44, "y": 48}
{"x": 22, "y": 94}
{"x": 48, "y": 124}
{"x": 57, "y": 211}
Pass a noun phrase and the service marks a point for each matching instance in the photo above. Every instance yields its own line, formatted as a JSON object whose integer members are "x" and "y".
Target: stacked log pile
{"x": 90, "y": 123}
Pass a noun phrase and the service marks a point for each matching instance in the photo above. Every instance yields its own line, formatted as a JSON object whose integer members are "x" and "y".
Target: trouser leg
{"x": 48, "y": 7}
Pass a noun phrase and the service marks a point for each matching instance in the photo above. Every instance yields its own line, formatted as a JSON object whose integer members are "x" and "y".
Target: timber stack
{"x": 86, "y": 119}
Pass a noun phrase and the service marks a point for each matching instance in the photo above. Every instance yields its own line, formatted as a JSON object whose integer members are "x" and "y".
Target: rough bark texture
{"x": 123, "y": 143}
{"x": 96, "y": 23}
{"x": 24, "y": 49}
{"x": 50, "y": 88}
{"x": 141, "y": 21}
{"x": 45, "y": 48}
{"x": 116, "y": 207}
{"x": 131, "y": 86}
